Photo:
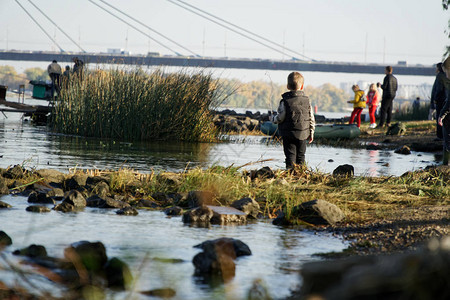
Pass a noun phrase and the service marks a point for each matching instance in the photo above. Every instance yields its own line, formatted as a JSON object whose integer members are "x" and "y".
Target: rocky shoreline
{"x": 405, "y": 231}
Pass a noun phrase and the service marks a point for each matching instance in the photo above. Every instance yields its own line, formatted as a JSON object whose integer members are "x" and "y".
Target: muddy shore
{"x": 408, "y": 229}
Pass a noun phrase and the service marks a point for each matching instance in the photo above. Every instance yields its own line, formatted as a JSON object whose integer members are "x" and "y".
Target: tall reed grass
{"x": 134, "y": 105}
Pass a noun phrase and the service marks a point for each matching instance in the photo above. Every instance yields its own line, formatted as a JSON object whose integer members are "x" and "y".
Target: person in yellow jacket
{"x": 359, "y": 103}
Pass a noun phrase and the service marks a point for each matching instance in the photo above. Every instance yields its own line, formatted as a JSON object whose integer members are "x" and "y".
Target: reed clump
{"x": 136, "y": 106}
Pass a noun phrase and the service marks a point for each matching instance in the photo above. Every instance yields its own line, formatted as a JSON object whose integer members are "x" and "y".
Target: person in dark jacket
{"x": 389, "y": 87}
{"x": 295, "y": 119}
{"x": 444, "y": 116}
{"x": 438, "y": 96}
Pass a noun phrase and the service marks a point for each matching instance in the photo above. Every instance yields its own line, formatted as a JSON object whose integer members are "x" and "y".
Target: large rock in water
{"x": 423, "y": 274}
{"x": 218, "y": 257}
{"x": 318, "y": 212}
{"x": 91, "y": 255}
{"x": 5, "y": 240}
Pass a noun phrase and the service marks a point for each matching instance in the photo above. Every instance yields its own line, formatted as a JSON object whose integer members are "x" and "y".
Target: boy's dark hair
{"x": 389, "y": 69}
{"x": 294, "y": 81}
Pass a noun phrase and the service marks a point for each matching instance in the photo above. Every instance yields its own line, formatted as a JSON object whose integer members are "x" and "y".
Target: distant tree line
{"x": 266, "y": 95}
{"x": 252, "y": 95}
{"x": 12, "y": 79}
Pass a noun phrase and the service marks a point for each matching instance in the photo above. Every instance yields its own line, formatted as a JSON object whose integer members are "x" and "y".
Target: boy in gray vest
{"x": 295, "y": 119}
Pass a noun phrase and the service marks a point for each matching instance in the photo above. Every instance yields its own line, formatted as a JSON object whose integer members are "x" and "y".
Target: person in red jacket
{"x": 373, "y": 97}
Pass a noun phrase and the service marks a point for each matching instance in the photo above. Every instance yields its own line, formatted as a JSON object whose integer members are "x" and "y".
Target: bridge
{"x": 211, "y": 62}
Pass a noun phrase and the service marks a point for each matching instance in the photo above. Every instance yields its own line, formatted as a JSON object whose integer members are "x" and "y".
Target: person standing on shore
{"x": 78, "y": 67}
{"x": 54, "y": 71}
{"x": 389, "y": 87}
{"x": 295, "y": 119}
{"x": 372, "y": 102}
{"x": 438, "y": 96}
{"x": 359, "y": 103}
{"x": 444, "y": 116}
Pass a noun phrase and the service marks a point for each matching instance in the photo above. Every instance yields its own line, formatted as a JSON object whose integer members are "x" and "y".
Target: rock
{"x": 4, "y": 205}
{"x": 111, "y": 203}
{"x": 403, "y": 150}
{"x": 202, "y": 214}
{"x": 40, "y": 197}
{"x": 239, "y": 247}
{"x": 32, "y": 251}
{"x": 214, "y": 214}
{"x": 51, "y": 175}
{"x": 64, "y": 207}
{"x": 37, "y": 209}
{"x": 422, "y": 274}
{"x": 199, "y": 198}
{"x": 147, "y": 203}
{"x": 94, "y": 180}
{"x": 74, "y": 198}
{"x": 160, "y": 293}
{"x": 218, "y": 257}
{"x": 101, "y": 189}
{"x": 344, "y": 170}
{"x": 55, "y": 193}
{"x": 118, "y": 273}
{"x": 263, "y": 173}
{"x": 281, "y": 220}
{"x": 174, "y": 211}
{"x": 5, "y": 240}
{"x": 91, "y": 254}
{"x": 318, "y": 212}
{"x": 162, "y": 199}
{"x": 396, "y": 129}
{"x": 249, "y": 206}
{"x": 3, "y": 186}
{"x": 15, "y": 172}
{"x": 76, "y": 181}
{"x": 128, "y": 211}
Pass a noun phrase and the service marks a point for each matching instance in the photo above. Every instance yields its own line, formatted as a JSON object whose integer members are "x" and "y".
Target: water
{"x": 22, "y": 142}
{"x": 142, "y": 240}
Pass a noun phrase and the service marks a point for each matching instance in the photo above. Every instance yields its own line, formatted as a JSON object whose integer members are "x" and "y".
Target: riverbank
{"x": 382, "y": 214}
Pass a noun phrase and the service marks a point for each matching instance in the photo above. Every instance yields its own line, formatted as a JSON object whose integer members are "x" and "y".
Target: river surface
{"x": 22, "y": 142}
{"x": 148, "y": 240}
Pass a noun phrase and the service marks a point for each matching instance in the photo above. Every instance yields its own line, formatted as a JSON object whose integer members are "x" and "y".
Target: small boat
{"x": 326, "y": 131}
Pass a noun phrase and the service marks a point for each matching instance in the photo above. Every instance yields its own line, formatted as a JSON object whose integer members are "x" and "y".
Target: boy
{"x": 295, "y": 121}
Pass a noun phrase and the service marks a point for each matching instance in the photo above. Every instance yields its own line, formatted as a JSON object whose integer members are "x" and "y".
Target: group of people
{"x": 386, "y": 92}
{"x": 60, "y": 78}
{"x": 296, "y": 123}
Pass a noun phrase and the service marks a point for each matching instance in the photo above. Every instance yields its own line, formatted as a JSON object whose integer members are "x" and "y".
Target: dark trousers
{"x": 386, "y": 111}
{"x": 56, "y": 83}
{"x": 446, "y": 136}
{"x": 439, "y": 107}
{"x": 294, "y": 150}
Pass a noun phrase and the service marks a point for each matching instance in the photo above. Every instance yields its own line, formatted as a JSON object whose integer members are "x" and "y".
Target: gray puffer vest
{"x": 297, "y": 121}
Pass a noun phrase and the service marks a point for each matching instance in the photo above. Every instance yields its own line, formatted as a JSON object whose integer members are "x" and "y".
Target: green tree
{"x": 36, "y": 74}
{"x": 10, "y": 78}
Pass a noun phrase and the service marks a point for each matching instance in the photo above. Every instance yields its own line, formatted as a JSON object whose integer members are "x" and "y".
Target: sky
{"x": 382, "y": 31}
